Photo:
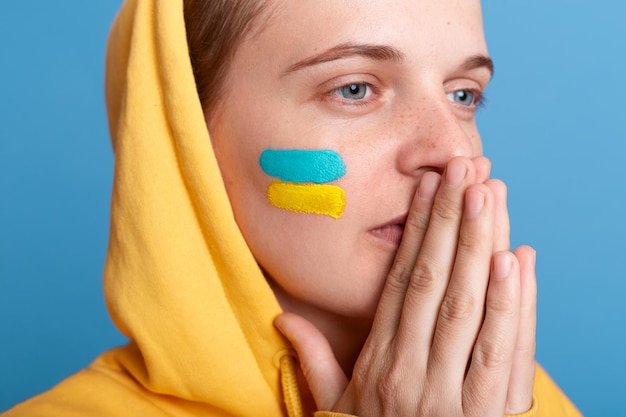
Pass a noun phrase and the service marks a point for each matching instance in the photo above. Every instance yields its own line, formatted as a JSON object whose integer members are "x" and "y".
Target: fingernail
{"x": 278, "y": 324}
{"x": 501, "y": 265}
{"x": 455, "y": 172}
{"x": 474, "y": 203}
{"x": 428, "y": 185}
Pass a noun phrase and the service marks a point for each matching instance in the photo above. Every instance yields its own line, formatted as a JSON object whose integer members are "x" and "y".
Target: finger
{"x": 433, "y": 266}
{"x": 461, "y": 313}
{"x": 519, "y": 396}
{"x": 482, "y": 166}
{"x": 392, "y": 297}
{"x": 502, "y": 231}
{"x": 486, "y": 385}
{"x": 322, "y": 372}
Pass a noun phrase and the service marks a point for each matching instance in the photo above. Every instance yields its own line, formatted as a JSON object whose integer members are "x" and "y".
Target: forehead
{"x": 437, "y": 27}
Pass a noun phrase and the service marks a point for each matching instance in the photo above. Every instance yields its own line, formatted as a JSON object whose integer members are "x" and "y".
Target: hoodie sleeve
{"x": 551, "y": 401}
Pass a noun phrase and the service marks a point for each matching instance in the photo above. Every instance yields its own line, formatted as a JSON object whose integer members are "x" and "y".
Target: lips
{"x": 390, "y": 232}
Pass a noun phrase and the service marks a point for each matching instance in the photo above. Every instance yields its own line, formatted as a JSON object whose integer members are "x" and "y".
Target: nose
{"x": 436, "y": 133}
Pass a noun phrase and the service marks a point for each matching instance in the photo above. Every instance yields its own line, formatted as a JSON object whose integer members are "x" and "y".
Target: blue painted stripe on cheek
{"x": 303, "y": 166}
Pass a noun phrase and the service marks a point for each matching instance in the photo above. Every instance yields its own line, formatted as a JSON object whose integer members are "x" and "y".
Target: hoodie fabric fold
{"x": 177, "y": 264}
{"x": 180, "y": 281}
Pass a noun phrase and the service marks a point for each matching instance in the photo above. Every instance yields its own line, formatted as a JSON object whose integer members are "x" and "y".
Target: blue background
{"x": 554, "y": 127}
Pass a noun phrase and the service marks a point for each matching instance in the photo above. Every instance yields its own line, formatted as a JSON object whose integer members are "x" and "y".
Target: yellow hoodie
{"x": 179, "y": 280}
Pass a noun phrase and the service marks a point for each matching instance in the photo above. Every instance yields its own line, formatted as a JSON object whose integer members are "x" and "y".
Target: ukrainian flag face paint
{"x": 301, "y": 181}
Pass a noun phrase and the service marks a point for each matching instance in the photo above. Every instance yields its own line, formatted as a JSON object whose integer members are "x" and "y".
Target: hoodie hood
{"x": 180, "y": 281}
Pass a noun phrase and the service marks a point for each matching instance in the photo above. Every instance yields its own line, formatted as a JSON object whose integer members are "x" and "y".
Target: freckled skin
{"x": 325, "y": 269}
{"x": 413, "y": 118}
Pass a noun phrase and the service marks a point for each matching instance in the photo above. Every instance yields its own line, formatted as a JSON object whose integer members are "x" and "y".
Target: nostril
{"x": 431, "y": 168}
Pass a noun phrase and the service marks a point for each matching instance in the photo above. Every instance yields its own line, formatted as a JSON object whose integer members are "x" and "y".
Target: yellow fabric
{"x": 549, "y": 398}
{"x": 180, "y": 281}
{"x": 179, "y": 278}
{"x": 289, "y": 378}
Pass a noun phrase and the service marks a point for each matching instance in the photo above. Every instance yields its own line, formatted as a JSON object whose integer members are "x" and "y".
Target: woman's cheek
{"x": 302, "y": 180}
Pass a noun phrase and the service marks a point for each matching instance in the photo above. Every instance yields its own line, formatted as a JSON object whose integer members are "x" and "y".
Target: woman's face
{"x": 388, "y": 90}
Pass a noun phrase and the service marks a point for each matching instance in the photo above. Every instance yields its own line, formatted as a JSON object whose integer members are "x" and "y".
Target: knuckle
{"x": 307, "y": 370}
{"x": 526, "y": 350}
{"x": 490, "y": 355}
{"x": 360, "y": 373}
{"x": 457, "y": 307}
{"x": 424, "y": 277}
{"x": 390, "y": 385}
{"x": 398, "y": 276}
{"x": 471, "y": 242}
{"x": 502, "y": 305}
{"x": 416, "y": 224}
{"x": 446, "y": 211}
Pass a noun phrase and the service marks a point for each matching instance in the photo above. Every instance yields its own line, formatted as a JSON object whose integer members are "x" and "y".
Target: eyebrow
{"x": 379, "y": 53}
{"x": 345, "y": 50}
{"x": 478, "y": 61}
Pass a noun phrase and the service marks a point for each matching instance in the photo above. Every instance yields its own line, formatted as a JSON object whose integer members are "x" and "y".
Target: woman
{"x": 321, "y": 159}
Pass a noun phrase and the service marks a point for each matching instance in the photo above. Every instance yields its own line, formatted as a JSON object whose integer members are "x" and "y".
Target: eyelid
{"x": 478, "y": 97}
{"x": 470, "y": 111}
{"x": 331, "y": 88}
{"x": 467, "y": 84}
{"x": 368, "y": 95}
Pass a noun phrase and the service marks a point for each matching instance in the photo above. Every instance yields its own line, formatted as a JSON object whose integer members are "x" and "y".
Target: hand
{"x": 454, "y": 331}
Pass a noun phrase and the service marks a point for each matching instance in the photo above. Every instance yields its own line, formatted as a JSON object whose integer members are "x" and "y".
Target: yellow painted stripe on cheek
{"x": 328, "y": 200}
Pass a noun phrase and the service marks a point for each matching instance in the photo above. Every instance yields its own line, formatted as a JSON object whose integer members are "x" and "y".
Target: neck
{"x": 346, "y": 335}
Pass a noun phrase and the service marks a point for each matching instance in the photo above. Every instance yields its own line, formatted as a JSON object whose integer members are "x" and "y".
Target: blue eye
{"x": 463, "y": 97}
{"x": 354, "y": 91}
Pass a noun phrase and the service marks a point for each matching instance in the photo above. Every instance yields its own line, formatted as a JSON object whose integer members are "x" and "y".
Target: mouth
{"x": 390, "y": 232}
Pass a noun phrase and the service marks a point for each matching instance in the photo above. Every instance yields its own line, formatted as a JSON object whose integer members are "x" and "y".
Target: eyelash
{"x": 371, "y": 94}
{"x": 479, "y": 99}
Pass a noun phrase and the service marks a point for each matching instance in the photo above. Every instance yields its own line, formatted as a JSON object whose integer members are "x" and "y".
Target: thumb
{"x": 322, "y": 372}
